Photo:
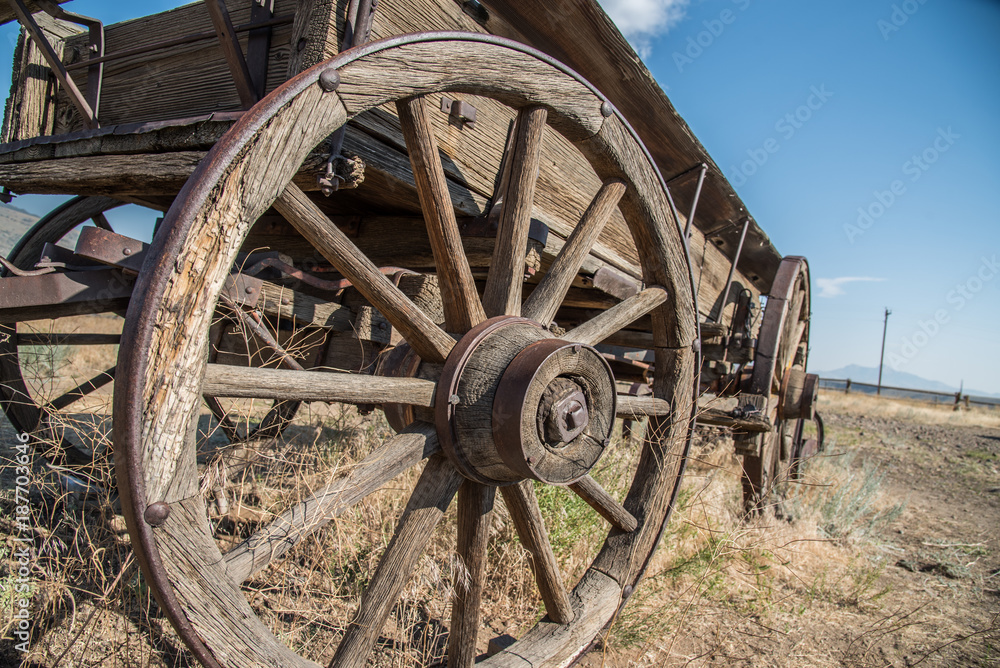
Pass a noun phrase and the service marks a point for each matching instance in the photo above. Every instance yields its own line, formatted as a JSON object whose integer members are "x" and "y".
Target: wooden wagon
{"x": 484, "y": 219}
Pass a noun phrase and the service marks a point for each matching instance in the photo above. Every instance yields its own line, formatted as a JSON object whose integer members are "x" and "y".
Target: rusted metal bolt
{"x": 126, "y": 251}
{"x": 285, "y": 301}
{"x": 329, "y": 79}
{"x": 248, "y": 290}
{"x": 156, "y": 514}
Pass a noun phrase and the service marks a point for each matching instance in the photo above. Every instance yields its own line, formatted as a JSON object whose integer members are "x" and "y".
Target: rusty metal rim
{"x": 514, "y": 383}
{"x": 451, "y": 376}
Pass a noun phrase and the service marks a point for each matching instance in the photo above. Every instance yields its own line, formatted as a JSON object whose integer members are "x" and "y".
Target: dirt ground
{"x": 886, "y": 552}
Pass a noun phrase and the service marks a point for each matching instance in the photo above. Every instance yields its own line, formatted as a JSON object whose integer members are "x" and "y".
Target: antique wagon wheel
{"x": 779, "y": 376}
{"x": 47, "y": 408}
{"x": 475, "y": 446}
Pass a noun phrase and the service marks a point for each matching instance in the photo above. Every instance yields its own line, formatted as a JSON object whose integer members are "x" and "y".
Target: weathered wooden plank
{"x": 156, "y": 84}
{"x": 223, "y": 380}
{"x": 582, "y": 36}
{"x": 7, "y": 12}
{"x": 30, "y": 111}
{"x": 302, "y": 309}
{"x": 146, "y": 174}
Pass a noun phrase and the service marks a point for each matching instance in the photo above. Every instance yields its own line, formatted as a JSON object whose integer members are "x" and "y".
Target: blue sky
{"x": 862, "y": 134}
{"x": 894, "y": 110}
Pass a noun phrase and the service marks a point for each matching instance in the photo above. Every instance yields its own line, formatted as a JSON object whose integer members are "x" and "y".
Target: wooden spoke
{"x": 82, "y": 390}
{"x": 427, "y": 339}
{"x": 527, "y": 516}
{"x": 605, "y": 504}
{"x": 462, "y": 308}
{"x": 431, "y": 497}
{"x": 635, "y": 408}
{"x": 58, "y": 339}
{"x": 396, "y": 455}
{"x": 617, "y": 317}
{"x": 543, "y": 303}
{"x": 503, "y": 285}
{"x": 475, "y": 510}
{"x": 224, "y": 380}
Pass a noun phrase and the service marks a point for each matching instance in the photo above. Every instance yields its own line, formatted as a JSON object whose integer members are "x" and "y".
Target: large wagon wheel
{"x": 500, "y": 352}
{"x": 787, "y": 393}
{"x": 56, "y": 405}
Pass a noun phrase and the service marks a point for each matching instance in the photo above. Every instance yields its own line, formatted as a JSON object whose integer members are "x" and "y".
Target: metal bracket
{"x": 112, "y": 249}
{"x": 242, "y": 289}
{"x": 732, "y": 270}
{"x": 460, "y": 113}
{"x": 700, "y": 169}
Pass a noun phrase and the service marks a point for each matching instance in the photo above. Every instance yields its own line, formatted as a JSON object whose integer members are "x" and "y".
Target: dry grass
{"x": 907, "y": 410}
{"x": 718, "y": 580}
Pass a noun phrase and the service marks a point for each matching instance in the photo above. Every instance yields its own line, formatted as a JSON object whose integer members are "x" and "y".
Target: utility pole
{"x": 885, "y": 325}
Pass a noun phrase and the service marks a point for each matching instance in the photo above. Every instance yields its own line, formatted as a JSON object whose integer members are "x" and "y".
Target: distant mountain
{"x": 14, "y": 223}
{"x": 867, "y": 374}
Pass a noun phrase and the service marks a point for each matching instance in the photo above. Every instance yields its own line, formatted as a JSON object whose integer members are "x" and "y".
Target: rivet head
{"x": 607, "y": 109}
{"x": 156, "y": 514}
{"x": 126, "y": 251}
{"x": 454, "y": 400}
{"x": 329, "y": 79}
{"x": 285, "y": 301}
{"x": 248, "y": 290}
{"x": 627, "y": 591}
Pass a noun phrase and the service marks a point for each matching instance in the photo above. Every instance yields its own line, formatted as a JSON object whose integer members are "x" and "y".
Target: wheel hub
{"x": 514, "y": 403}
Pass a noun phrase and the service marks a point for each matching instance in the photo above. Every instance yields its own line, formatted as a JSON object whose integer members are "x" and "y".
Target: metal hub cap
{"x": 514, "y": 403}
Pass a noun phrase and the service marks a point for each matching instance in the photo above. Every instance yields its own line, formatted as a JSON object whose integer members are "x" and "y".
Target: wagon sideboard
{"x": 173, "y": 68}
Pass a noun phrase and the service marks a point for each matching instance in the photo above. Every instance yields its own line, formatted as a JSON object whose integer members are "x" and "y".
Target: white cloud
{"x": 833, "y": 287}
{"x": 642, "y": 20}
